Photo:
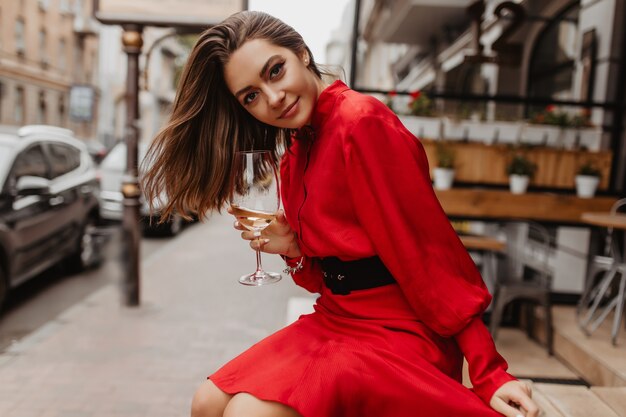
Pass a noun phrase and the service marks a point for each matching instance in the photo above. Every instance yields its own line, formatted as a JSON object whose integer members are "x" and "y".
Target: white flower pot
{"x": 547, "y": 135}
{"x": 586, "y": 185}
{"x": 444, "y": 177}
{"x": 518, "y": 183}
{"x": 422, "y": 127}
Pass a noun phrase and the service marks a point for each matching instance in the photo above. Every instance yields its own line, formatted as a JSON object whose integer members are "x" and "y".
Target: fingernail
{"x": 266, "y": 240}
{"x": 236, "y": 224}
{"x": 519, "y": 415}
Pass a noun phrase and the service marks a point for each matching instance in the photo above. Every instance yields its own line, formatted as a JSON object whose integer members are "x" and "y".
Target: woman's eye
{"x": 249, "y": 97}
{"x": 276, "y": 70}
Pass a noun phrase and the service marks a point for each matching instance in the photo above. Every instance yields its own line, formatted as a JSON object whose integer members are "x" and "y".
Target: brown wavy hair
{"x": 192, "y": 158}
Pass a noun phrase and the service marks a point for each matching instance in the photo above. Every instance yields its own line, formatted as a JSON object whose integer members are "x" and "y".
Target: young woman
{"x": 400, "y": 300}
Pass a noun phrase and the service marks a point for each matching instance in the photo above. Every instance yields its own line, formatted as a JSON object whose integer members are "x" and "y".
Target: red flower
{"x": 550, "y": 108}
{"x": 392, "y": 93}
{"x": 415, "y": 94}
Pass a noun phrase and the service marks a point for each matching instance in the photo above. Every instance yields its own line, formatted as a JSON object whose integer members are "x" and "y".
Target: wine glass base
{"x": 259, "y": 278}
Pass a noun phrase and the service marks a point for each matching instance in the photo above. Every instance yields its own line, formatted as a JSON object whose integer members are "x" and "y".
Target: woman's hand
{"x": 277, "y": 238}
{"x": 513, "y": 399}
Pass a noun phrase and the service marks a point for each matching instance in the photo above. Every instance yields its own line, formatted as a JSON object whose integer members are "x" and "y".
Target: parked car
{"x": 111, "y": 173}
{"x": 48, "y": 203}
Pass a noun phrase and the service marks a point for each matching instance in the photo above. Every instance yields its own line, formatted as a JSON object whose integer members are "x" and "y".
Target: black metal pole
{"x": 132, "y": 41}
{"x": 355, "y": 43}
{"x": 618, "y": 143}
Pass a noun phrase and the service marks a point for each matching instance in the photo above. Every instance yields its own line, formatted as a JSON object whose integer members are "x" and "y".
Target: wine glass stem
{"x": 259, "y": 266}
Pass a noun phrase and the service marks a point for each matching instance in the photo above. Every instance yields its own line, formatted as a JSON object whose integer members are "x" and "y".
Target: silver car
{"x": 112, "y": 170}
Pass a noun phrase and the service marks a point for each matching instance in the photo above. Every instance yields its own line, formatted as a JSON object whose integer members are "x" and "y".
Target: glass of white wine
{"x": 254, "y": 202}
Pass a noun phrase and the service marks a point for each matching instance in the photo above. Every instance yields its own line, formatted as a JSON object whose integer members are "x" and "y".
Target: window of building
{"x": 65, "y": 6}
{"x": 62, "y": 54}
{"x": 553, "y": 58}
{"x": 43, "y": 52}
{"x": 61, "y": 107}
{"x": 20, "y": 44}
{"x": 43, "y": 4}
{"x": 19, "y": 105}
{"x": 42, "y": 116}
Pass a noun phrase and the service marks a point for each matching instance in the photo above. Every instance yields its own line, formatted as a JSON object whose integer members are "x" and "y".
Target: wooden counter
{"x": 502, "y": 205}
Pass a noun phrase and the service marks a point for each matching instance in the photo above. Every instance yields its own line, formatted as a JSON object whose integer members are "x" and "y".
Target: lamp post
{"x": 132, "y": 41}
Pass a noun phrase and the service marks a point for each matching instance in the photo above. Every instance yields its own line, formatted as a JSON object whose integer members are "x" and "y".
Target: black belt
{"x": 343, "y": 277}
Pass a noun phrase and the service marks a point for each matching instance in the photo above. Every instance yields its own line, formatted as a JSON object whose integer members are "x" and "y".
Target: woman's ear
{"x": 305, "y": 58}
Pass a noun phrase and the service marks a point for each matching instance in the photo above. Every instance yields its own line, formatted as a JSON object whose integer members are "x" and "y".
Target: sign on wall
{"x": 82, "y": 99}
{"x": 175, "y": 13}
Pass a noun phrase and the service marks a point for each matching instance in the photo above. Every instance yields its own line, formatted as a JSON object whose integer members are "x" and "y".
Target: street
{"x": 43, "y": 298}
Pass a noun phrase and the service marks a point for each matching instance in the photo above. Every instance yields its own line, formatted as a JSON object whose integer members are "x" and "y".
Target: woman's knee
{"x": 209, "y": 401}
{"x": 247, "y": 405}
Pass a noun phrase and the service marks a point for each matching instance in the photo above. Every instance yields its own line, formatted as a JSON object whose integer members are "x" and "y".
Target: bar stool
{"x": 599, "y": 299}
{"x": 532, "y": 252}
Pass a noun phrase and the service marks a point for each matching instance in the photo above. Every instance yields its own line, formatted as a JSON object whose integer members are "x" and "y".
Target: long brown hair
{"x": 192, "y": 158}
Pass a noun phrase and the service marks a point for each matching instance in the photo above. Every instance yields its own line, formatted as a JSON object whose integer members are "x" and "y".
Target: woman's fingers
{"x": 505, "y": 409}
{"x": 257, "y": 244}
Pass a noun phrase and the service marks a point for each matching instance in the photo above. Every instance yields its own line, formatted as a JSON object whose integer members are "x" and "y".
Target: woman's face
{"x": 273, "y": 83}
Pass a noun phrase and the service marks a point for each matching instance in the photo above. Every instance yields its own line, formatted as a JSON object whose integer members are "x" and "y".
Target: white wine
{"x": 252, "y": 219}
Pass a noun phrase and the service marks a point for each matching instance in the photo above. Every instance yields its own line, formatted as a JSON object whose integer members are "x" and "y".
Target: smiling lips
{"x": 290, "y": 110}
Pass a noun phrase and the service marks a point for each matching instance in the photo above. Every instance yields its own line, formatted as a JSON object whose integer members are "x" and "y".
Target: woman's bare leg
{"x": 246, "y": 405}
{"x": 209, "y": 401}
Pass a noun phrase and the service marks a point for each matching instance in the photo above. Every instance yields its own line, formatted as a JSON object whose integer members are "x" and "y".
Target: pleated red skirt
{"x": 358, "y": 355}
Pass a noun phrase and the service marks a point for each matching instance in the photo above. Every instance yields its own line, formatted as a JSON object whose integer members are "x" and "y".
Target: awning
{"x": 414, "y": 21}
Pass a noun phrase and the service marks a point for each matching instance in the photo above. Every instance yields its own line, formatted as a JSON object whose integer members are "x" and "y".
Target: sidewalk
{"x": 101, "y": 359}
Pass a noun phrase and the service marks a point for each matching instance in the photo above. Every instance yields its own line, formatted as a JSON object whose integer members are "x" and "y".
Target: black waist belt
{"x": 343, "y": 277}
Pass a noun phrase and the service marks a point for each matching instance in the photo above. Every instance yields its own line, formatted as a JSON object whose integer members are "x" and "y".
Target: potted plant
{"x": 587, "y": 180}
{"x": 444, "y": 171}
{"x": 520, "y": 170}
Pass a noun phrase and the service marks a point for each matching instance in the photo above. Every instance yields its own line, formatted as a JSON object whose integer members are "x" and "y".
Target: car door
{"x": 30, "y": 223}
{"x": 66, "y": 188}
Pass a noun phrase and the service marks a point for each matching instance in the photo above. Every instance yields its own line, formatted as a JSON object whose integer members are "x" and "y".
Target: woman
{"x": 400, "y": 300}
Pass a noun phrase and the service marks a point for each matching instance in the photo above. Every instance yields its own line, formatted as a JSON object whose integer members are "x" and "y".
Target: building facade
{"x": 49, "y": 64}
{"x": 160, "y": 61}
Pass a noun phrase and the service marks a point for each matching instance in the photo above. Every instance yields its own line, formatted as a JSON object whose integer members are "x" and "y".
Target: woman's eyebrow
{"x": 261, "y": 73}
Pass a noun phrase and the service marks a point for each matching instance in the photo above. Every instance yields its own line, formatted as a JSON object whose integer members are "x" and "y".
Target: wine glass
{"x": 254, "y": 202}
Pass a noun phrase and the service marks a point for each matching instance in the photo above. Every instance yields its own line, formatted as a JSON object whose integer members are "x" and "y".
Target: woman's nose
{"x": 275, "y": 97}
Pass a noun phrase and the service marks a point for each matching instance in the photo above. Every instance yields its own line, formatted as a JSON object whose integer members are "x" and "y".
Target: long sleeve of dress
{"x": 391, "y": 190}
{"x": 487, "y": 369}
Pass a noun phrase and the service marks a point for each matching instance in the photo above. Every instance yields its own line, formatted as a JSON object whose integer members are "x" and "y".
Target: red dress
{"x": 358, "y": 187}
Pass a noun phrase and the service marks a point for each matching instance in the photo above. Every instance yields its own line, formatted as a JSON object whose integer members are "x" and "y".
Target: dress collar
{"x": 326, "y": 102}
{"x": 323, "y": 107}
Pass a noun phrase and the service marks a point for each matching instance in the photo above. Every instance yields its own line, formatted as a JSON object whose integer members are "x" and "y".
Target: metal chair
{"x": 605, "y": 289}
{"x": 533, "y": 282}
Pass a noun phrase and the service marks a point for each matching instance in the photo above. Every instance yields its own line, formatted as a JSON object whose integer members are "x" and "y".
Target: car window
{"x": 30, "y": 162}
{"x": 63, "y": 159}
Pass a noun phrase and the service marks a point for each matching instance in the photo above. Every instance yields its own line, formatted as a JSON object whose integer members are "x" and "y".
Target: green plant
{"x": 445, "y": 155}
{"x": 520, "y": 165}
{"x": 589, "y": 169}
{"x": 420, "y": 104}
{"x": 551, "y": 115}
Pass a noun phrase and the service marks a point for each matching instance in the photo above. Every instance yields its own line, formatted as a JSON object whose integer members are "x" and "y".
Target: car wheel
{"x": 171, "y": 228}
{"x": 88, "y": 254}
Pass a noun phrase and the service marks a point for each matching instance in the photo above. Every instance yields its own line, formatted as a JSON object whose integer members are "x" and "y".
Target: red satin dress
{"x": 356, "y": 187}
